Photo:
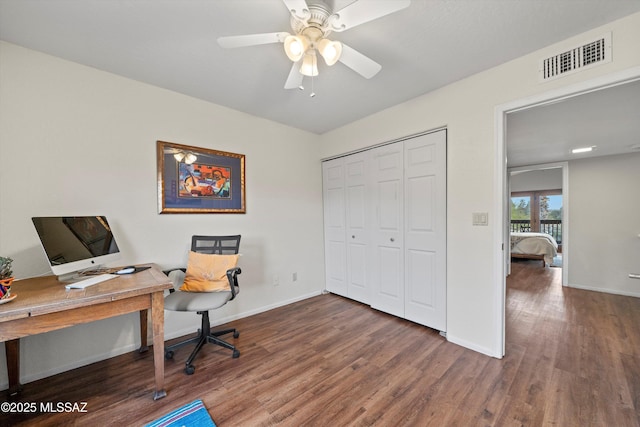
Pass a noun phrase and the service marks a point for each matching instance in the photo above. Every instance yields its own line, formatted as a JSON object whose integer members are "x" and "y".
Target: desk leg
{"x": 157, "y": 317}
{"x": 12, "y": 350}
{"x": 143, "y": 331}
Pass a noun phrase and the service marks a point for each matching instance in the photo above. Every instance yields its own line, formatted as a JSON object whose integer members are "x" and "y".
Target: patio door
{"x": 538, "y": 211}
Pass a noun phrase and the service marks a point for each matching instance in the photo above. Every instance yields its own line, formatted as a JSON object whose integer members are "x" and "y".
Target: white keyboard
{"x": 93, "y": 280}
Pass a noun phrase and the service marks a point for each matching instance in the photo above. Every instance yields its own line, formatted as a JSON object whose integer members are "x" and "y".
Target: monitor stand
{"x": 75, "y": 276}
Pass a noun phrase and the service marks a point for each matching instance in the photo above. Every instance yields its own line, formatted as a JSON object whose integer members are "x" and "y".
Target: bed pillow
{"x": 208, "y": 272}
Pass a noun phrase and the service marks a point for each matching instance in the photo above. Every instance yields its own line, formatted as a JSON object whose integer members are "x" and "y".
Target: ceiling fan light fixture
{"x": 295, "y": 47}
{"x": 309, "y": 65}
{"x": 330, "y": 51}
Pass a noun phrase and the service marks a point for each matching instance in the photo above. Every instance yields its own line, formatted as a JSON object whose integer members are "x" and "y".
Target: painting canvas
{"x": 199, "y": 180}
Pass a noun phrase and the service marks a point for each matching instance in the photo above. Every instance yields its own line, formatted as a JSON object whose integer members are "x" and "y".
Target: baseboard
{"x": 605, "y": 290}
{"x": 222, "y": 320}
{"x": 472, "y": 346}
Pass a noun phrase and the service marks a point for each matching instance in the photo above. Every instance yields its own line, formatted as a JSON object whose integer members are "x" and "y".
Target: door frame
{"x": 501, "y": 191}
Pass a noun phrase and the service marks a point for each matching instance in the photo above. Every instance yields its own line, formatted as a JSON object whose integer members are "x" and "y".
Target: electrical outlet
{"x": 276, "y": 280}
{"x": 294, "y": 276}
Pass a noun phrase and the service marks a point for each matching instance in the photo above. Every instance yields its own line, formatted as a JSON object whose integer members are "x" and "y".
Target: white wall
{"x": 605, "y": 224}
{"x": 467, "y": 109}
{"x": 78, "y": 141}
{"x": 537, "y": 180}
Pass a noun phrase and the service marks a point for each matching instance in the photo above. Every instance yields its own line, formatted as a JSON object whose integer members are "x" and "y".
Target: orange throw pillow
{"x": 208, "y": 272}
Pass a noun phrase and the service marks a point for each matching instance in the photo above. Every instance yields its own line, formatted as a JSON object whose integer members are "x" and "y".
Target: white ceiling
{"x": 172, "y": 44}
{"x": 607, "y": 119}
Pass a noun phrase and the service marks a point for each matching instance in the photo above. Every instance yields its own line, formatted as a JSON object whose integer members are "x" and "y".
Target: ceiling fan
{"x": 312, "y": 22}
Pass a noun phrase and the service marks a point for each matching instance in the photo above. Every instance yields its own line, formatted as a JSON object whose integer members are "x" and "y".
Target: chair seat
{"x": 196, "y": 301}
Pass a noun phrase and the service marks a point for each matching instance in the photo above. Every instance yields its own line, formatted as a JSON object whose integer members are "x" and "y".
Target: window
{"x": 521, "y": 213}
{"x": 539, "y": 211}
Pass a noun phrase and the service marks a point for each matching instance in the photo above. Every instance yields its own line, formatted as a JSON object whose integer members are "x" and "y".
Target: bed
{"x": 532, "y": 245}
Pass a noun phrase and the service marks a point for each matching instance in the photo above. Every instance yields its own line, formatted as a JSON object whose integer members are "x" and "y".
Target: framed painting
{"x": 199, "y": 180}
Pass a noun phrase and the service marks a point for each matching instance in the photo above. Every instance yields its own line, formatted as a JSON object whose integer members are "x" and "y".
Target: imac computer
{"x": 76, "y": 244}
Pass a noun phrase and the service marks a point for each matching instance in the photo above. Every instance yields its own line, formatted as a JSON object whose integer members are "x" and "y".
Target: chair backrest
{"x": 221, "y": 245}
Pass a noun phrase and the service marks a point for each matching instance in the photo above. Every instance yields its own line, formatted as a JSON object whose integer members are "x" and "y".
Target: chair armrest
{"x": 166, "y": 272}
{"x": 232, "y": 276}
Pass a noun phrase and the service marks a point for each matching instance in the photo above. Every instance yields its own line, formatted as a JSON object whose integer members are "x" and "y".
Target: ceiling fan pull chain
{"x": 312, "y": 94}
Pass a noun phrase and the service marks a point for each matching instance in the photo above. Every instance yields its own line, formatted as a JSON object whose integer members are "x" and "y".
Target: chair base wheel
{"x": 168, "y": 354}
{"x": 236, "y": 354}
{"x": 236, "y": 334}
{"x": 189, "y": 370}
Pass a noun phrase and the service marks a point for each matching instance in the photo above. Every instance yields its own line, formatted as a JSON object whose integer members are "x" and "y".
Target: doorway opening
{"x": 502, "y": 191}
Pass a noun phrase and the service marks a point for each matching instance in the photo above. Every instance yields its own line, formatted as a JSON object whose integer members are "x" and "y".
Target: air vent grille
{"x": 577, "y": 59}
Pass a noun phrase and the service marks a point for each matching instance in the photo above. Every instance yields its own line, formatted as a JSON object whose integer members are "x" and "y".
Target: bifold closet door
{"x": 333, "y": 187}
{"x": 357, "y": 226}
{"x": 425, "y": 220}
{"x": 387, "y": 235}
{"x": 385, "y": 228}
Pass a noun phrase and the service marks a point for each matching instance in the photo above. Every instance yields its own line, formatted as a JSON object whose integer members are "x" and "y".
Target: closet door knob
{"x": 353, "y": 236}
{"x": 392, "y": 239}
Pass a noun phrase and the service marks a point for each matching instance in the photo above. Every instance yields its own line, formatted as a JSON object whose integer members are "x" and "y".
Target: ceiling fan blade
{"x": 363, "y": 11}
{"x": 251, "y": 40}
{"x": 298, "y": 8}
{"x": 359, "y": 63}
{"x": 295, "y": 77}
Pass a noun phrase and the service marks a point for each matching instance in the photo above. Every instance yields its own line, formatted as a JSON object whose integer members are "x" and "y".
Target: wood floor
{"x": 573, "y": 359}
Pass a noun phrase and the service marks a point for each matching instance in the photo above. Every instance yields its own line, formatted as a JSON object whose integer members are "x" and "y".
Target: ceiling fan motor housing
{"x": 316, "y": 26}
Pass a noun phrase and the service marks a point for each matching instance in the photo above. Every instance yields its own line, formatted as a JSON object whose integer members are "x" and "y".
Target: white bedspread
{"x": 534, "y": 244}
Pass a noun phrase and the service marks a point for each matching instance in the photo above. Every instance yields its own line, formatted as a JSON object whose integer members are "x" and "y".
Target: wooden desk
{"x": 43, "y": 304}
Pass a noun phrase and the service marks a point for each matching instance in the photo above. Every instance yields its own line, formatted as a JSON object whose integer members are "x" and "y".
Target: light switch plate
{"x": 480, "y": 218}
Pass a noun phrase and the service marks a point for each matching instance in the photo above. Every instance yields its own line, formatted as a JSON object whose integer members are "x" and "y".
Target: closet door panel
{"x": 357, "y": 240}
{"x": 420, "y": 206}
{"x": 421, "y": 267}
{"x": 425, "y": 232}
{"x": 357, "y": 227}
{"x": 334, "y": 226}
{"x": 387, "y": 229}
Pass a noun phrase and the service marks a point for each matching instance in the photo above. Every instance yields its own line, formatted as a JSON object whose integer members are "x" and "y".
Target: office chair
{"x": 202, "y": 302}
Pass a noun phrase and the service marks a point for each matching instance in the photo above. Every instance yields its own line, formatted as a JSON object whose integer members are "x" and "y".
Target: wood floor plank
{"x": 631, "y": 366}
{"x": 572, "y": 359}
{"x": 491, "y": 393}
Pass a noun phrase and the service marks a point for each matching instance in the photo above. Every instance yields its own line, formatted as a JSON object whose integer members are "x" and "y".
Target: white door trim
{"x": 500, "y": 179}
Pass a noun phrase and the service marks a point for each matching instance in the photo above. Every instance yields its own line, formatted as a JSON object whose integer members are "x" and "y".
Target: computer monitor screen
{"x": 75, "y": 243}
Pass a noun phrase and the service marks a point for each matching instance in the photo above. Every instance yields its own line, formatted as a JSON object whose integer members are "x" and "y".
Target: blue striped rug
{"x": 192, "y": 415}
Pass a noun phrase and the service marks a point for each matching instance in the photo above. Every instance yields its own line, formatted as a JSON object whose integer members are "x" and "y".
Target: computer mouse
{"x": 126, "y": 270}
